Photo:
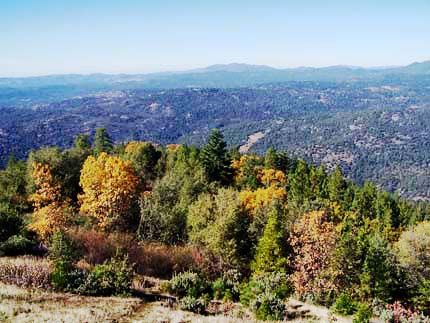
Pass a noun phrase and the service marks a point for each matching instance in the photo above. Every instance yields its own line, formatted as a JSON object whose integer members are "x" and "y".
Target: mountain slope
{"x": 377, "y": 131}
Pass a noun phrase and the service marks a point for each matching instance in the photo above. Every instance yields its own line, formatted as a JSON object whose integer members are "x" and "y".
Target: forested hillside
{"x": 375, "y": 130}
{"x": 220, "y": 225}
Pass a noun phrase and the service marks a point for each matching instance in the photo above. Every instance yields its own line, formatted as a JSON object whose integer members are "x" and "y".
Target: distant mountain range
{"x": 372, "y": 121}
{"x": 220, "y": 75}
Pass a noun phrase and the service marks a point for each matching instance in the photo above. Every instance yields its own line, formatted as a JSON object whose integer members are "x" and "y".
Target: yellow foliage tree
{"x": 274, "y": 189}
{"x": 50, "y": 212}
{"x": 261, "y": 197}
{"x": 272, "y": 177}
{"x": 110, "y": 186}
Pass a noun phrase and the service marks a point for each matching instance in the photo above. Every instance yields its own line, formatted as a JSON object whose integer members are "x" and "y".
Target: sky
{"x": 40, "y": 37}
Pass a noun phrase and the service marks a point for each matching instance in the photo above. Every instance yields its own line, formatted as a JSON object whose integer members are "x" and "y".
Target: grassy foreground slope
{"x": 20, "y": 305}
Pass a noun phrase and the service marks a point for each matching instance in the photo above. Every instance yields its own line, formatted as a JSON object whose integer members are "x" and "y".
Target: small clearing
{"x": 252, "y": 139}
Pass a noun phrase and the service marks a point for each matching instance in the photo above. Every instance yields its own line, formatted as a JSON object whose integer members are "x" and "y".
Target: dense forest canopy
{"x": 375, "y": 130}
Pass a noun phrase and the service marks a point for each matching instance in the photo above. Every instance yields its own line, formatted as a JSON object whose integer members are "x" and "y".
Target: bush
{"x": 344, "y": 305}
{"x": 268, "y": 306}
{"x": 187, "y": 284}
{"x": 265, "y": 295}
{"x": 61, "y": 278}
{"x": 227, "y": 287}
{"x": 160, "y": 260}
{"x": 114, "y": 277}
{"x": 97, "y": 247}
{"x": 63, "y": 248}
{"x": 17, "y": 245}
{"x": 397, "y": 313}
{"x": 192, "y": 304}
{"x": 363, "y": 315}
{"x": 422, "y": 298}
{"x": 271, "y": 283}
{"x": 10, "y": 223}
{"x": 150, "y": 259}
{"x": 26, "y": 272}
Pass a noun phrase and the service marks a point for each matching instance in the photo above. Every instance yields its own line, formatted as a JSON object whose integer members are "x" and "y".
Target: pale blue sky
{"x": 86, "y": 36}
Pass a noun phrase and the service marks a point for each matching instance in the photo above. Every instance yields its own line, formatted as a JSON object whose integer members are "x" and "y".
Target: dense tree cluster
{"x": 256, "y": 215}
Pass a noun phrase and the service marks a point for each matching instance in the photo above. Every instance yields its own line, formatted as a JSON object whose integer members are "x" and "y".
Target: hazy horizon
{"x": 133, "y": 37}
{"x": 185, "y": 70}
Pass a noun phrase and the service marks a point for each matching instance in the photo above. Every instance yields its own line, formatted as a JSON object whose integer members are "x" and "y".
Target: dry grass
{"x": 26, "y": 271}
{"x": 25, "y": 305}
{"x": 20, "y": 305}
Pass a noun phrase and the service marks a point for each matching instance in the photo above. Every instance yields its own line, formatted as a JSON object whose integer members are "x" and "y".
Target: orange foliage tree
{"x": 50, "y": 212}
{"x": 110, "y": 186}
{"x": 314, "y": 242}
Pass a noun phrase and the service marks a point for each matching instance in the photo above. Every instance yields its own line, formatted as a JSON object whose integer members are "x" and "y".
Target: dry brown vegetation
{"x": 20, "y": 305}
{"x": 26, "y": 271}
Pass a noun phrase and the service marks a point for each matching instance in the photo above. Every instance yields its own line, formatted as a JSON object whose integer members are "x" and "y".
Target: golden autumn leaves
{"x": 51, "y": 212}
{"x": 109, "y": 184}
{"x": 273, "y": 182}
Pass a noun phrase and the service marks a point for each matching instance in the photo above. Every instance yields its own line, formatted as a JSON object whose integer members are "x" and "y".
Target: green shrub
{"x": 10, "y": 222}
{"x": 422, "y": 296}
{"x": 364, "y": 314}
{"x": 187, "y": 284}
{"x": 63, "y": 248}
{"x": 60, "y": 274}
{"x": 268, "y": 306}
{"x": 272, "y": 283}
{"x": 192, "y": 304}
{"x": 17, "y": 245}
{"x": 114, "y": 277}
{"x": 218, "y": 288}
{"x": 344, "y": 305}
{"x": 265, "y": 295}
{"x": 227, "y": 287}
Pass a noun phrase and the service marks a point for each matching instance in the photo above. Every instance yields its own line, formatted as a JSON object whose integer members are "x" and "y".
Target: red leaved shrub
{"x": 151, "y": 259}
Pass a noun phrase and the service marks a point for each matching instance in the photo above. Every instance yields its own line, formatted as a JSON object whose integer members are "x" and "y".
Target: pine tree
{"x": 271, "y": 159}
{"x": 82, "y": 142}
{"x": 336, "y": 185}
{"x": 271, "y": 254}
{"x": 102, "y": 142}
{"x": 299, "y": 183}
{"x": 215, "y": 159}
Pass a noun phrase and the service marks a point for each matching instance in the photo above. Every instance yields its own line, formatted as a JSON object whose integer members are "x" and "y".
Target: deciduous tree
{"x": 109, "y": 190}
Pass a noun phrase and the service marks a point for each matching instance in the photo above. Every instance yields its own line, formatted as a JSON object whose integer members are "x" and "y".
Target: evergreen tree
{"x": 271, "y": 159}
{"x": 299, "y": 183}
{"x": 144, "y": 157}
{"x": 285, "y": 163}
{"x": 234, "y": 153}
{"x": 216, "y": 160}
{"x": 271, "y": 254}
{"x": 13, "y": 184}
{"x": 336, "y": 185}
{"x": 318, "y": 181}
{"x": 102, "y": 141}
{"x": 82, "y": 142}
